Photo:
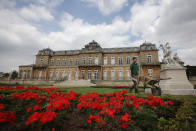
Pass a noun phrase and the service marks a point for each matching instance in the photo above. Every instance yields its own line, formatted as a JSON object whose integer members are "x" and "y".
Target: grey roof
{"x": 121, "y": 49}
{"x": 93, "y": 47}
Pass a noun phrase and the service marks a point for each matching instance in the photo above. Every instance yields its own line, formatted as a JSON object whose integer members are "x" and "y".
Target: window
{"x": 128, "y": 60}
{"x": 150, "y": 72}
{"x": 96, "y": 74}
{"x": 96, "y": 60}
{"x": 77, "y": 61}
{"x": 149, "y": 59}
{"x": 105, "y": 61}
{"x": 41, "y": 61}
{"x": 112, "y": 75}
{"x": 64, "y": 62}
{"x": 89, "y": 74}
{"x": 83, "y": 74}
{"x": 40, "y": 75}
{"x": 70, "y": 61}
{"x": 57, "y": 75}
{"x": 51, "y": 75}
{"x": 112, "y": 60}
{"x": 76, "y": 75}
{"x": 128, "y": 74}
{"x": 63, "y": 75}
{"x": 83, "y": 60}
{"x": 120, "y": 60}
{"x": 52, "y": 62}
{"x": 120, "y": 75}
{"x": 69, "y": 75}
{"x": 105, "y": 75}
{"x": 58, "y": 62}
{"x": 90, "y": 60}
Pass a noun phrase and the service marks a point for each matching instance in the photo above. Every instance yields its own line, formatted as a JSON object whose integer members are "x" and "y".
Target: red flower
{"x": 29, "y": 109}
{"x": 1, "y": 96}
{"x": 36, "y": 107}
{"x": 95, "y": 117}
{"x": 34, "y": 117}
{"x": 7, "y": 117}
{"x": 126, "y": 117}
{"x": 108, "y": 112}
{"x": 48, "y": 116}
{"x": 2, "y": 107}
{"x": 150, "y": 97}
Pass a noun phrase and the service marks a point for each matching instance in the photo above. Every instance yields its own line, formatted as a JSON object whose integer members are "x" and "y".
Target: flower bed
{"x": 34, "y": 108}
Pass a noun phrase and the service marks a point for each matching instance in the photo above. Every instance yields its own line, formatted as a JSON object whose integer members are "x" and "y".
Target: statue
{"x": 168, "y": 59}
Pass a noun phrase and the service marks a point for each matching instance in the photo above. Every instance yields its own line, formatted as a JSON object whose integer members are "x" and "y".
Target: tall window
{"x": 52, "y": 62}
{"x": 120, "y": 75}
{"x": 41, "y": 61}
{"x": 105, "y": 75}
{"x": 64, "y": 62}
{"x": 63, "y": 75}
{"x": 83, "y": 60}
{"x": 96, "y": 60}
{"x": 96, "y": 74}
{"x": 90, "y": 60}
{"x": 76, "y": 75}
{"x": 120, "y": 60}
{"x": 149, "y": 58}
{"x": 51, "y": 75}
{"x": 70, "y": 61}
{"x": 57, "y": 75}
{"x": 40, "y": 75}
{"x": 150, "y": 71}
{"x": 105, "y": 61}
{"x": 89, "y": 74}
{"x": 112, "y": 60}
{"x": 58, "y": 62}
{"x": 83, "y": 74}
{"x": 128, "y": 74}
{"x": 128, "y": 60}
{"x": 69, "y": 75}
{"x": 77, "y": 61}
{"x": 112, "y": 75}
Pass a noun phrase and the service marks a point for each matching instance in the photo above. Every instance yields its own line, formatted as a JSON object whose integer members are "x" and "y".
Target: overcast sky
{"x": 27, "y": 26}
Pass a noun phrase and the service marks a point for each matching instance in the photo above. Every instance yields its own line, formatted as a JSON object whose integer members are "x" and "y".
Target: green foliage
{"x": 14, "y": 75}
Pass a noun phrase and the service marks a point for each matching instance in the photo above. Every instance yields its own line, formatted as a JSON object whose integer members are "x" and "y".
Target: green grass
{"x": 103, "y": 90}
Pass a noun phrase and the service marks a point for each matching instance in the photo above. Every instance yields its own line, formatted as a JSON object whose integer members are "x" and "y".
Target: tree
{"x": 14, "y": 74}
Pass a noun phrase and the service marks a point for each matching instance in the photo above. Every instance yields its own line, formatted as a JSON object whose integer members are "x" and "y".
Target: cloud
{"x": 76, "y": 33}
{"x": 167, "y": 20}
{"x": 36, "y": 13}
{"x": 108, "y": 6}
{"x": 152, "y": 20}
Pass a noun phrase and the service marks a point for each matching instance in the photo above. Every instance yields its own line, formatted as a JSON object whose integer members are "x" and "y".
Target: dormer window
{"x": 149, "y": 59}
{"x": 41, "y": 61}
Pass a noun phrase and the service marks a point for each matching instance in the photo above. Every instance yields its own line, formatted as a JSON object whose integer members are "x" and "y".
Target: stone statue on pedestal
{"x": 173, "y": 67}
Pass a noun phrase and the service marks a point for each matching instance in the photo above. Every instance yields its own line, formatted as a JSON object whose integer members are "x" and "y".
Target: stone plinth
{"x": 178, "y": 84}
{"x": 178, "y": 79}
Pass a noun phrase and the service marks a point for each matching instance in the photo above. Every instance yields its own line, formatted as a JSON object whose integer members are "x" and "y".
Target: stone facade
{"x": 92, "y": 62}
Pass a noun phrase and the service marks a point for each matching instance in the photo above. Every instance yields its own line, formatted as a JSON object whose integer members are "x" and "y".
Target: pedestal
{"x": 178, "y": 84}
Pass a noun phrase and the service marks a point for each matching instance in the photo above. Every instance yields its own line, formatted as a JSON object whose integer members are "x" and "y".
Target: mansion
{"x": 92, "y": 63}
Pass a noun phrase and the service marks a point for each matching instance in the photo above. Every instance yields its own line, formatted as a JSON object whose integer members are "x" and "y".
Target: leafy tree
{"x": 14, "y": 74}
